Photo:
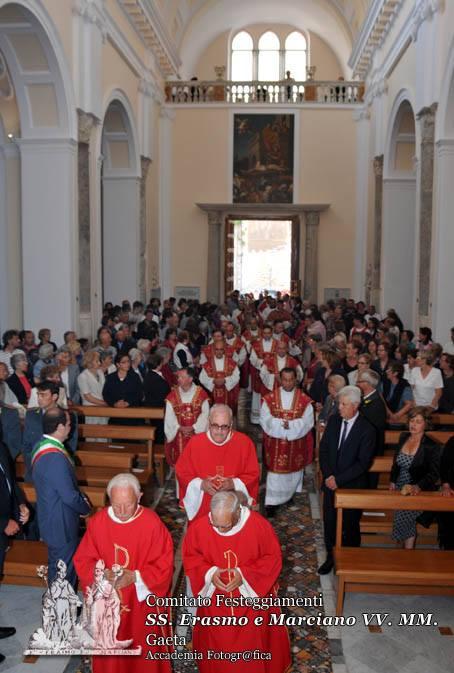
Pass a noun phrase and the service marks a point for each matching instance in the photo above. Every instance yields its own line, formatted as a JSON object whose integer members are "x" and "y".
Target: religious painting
{"x": 263, "y": 158}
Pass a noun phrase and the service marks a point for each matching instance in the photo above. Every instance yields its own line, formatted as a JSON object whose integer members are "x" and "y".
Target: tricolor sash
{"x": 49, "y": 445}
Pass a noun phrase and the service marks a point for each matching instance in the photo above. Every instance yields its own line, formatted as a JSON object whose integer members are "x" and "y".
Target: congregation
{"x": 324, "y": 382}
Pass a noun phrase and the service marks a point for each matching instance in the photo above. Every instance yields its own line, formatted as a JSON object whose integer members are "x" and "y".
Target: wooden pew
{"x": 95, "y": 475}
{"x": 141, "y": 435}
{"x": 442, "y": 419}
{"x": 96, "y": 494}
{"x": 145, "y": 413}
{"x": 21, "y": 561}
{"x": 122, "y": 461}
{"x": 417, "y": 571}
{"x": 376, "y": 527}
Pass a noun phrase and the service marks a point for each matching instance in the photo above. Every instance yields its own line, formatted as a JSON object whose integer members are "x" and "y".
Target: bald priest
{"x": 233, "y": 557}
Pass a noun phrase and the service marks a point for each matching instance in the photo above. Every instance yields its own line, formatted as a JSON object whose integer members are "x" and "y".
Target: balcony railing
{"x": 266, "y": 93}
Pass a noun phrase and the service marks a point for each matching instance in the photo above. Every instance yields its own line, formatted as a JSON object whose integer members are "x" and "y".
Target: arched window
{"x": 242, "y": 57}
{"x": 269, "y": 57}
{"x": 296, "y": 56}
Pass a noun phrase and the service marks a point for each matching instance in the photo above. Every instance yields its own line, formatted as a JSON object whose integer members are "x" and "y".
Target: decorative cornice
{"x": 91, "y": 13}
{"x": 150, "y": 90}
{"x": 263, "y": 208}
{"x": 361, "y": 115}
{"x": 376, "y": 26}
{"x": 423, "y": 11}
{"x": 152, "y": 31}
{"x": 379, "y": 21}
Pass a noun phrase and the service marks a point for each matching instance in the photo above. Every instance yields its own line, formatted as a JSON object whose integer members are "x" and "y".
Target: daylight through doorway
{"x": 262, "y": 255}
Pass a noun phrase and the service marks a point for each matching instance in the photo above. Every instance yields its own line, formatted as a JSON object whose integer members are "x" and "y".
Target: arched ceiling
{"x": 193, "y": 24}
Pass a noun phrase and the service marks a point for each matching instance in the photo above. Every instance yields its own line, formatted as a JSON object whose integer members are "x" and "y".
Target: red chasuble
{"x": 220, "y": 394}
{"x": 202, "y": 458}
{"x": 257, "y": 385}
{"x": 282, "y": 455}
{"x": 142, "y": 544}
{"x": 255, "y": 550}
{"x": 187, "y": 414}
{"x": 272, "y": 365}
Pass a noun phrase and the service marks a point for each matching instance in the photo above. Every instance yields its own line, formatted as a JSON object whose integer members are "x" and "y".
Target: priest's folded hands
{"x": 235, "y": 581}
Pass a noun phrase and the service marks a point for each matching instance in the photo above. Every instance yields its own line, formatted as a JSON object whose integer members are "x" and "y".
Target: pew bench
{"x": 391, "y": 571}
{"x": 95, "y": 475}
{"x": 95, "y": 494}
{"x": 21, "y": 561}
{"x": 141, "y": 435}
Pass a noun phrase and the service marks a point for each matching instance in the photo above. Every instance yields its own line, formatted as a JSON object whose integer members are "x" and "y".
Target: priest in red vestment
{"x": 234, "y": 553}
{"x": 186, "y": 414}
{"x": 221, "y": 459}
{"x": 287, "y": 419}
{"x": 133, "y": 537}
{"x": 220, "y": 376}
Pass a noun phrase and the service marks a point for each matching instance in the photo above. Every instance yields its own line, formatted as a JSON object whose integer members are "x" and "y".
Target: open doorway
{"x": 262, "y": 253}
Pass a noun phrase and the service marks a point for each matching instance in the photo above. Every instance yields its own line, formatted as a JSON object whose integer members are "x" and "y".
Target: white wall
{"x": 121, "y": 213}
{"x": 399, "y": 246}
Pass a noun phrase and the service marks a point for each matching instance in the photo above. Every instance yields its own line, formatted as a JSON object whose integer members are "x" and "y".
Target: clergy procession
{"x": 248, "y": 406}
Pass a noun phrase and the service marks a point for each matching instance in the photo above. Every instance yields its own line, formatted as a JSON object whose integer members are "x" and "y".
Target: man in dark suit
{"x": 346, "y": 452}
{"x": 13, "y": 513}
{"x": 156, "y": 389}
{"x": 47, "y": 394}
{"x": 373, "y": 408}
{"x": 60, "y": 504}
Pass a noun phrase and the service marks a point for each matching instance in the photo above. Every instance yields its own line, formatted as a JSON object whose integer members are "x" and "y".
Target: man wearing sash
{"x": 186, "y": 414}
{"x": 60, "y": 504}
{"x": 287, "y": 418}
{"x": 232, "y": 554}
{"x": 220, "y": 376}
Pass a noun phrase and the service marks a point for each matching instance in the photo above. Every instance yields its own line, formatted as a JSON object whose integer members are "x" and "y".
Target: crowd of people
{"x": 339, "y": 373}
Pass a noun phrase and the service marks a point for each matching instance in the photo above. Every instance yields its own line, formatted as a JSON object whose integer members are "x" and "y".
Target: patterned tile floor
{"x": 298, "y": 533}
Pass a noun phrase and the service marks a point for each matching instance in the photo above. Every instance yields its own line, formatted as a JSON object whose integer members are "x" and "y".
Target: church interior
{"x": 255, "y": 159}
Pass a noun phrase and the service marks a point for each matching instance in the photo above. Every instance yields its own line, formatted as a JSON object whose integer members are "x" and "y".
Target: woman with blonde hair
{"x": 91, "y": 382}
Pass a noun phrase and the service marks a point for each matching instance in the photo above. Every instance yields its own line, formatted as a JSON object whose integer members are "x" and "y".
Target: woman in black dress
{"x": 416, "y": 464}
{"x": 123, "y": 389}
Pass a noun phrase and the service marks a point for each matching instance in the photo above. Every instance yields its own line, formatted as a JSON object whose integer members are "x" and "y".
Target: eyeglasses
{"x": 220, "y": 428}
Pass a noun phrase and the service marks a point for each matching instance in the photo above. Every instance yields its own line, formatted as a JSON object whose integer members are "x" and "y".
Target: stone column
{"x": 311, "y": 256}
{"x": 86, "y": 125}
{"x": 49, "y": 234}
{"x": 145, "y": 165}
{"x": 378, "y": 219}
{"x": 426, "y": 118}
{"x": 215, "y": 221}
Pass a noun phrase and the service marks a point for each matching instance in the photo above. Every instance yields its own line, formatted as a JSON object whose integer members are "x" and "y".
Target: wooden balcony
{"x": 264, "y": 93}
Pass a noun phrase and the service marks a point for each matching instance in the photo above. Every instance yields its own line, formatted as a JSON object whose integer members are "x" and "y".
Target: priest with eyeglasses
{"x": 222, "y": 459}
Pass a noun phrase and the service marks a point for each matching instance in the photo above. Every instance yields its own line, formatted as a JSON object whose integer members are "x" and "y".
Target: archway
{"x": 398, "y": 250}
{"x": 120, "y": 204}
{"x": 43, "y": 145}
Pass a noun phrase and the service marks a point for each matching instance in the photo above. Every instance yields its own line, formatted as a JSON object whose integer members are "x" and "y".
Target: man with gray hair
{"x": 230, "y": 555}
{"x": 373, "y": 408}
{"x": 346, "y": 453}
{"x": 137, "y": 551}
{"x": 221, "y": 459}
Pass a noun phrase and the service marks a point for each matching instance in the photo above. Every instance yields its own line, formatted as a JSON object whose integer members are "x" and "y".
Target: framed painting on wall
{"x": 263, "y": 155}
